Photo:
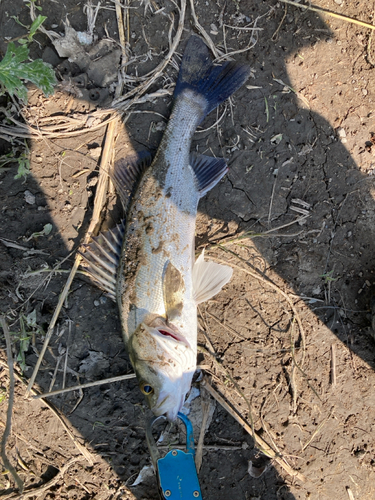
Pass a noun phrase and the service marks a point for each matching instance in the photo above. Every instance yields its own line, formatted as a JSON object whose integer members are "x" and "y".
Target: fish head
{"x": 164, "y": 363}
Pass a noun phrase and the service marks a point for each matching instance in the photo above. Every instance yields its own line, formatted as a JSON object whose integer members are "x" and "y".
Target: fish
{"x": 147, "y": 263}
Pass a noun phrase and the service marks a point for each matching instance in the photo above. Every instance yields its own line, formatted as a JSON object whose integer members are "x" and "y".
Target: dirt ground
{"x": 295, "y": 217}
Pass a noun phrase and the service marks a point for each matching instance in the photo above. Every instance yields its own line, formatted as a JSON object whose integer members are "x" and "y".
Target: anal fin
{"x": 101, "y": 258}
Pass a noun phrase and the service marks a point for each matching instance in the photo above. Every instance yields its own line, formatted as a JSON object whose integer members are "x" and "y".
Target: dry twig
{"x": 206, "y": 405}
{"x": 333, "y": 365}
{"x": 317, "y": 430}
{"x": 329, "y": 13}
{"x": 84, "y": 386}
{"x": 8, "y": 424}
{"x": 203, "y": 32}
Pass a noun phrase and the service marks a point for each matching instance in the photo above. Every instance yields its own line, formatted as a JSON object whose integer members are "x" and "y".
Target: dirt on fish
{"x": 288, "y": 342}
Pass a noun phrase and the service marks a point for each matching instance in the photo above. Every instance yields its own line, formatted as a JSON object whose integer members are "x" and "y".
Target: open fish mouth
{"x": 166, "y": 331}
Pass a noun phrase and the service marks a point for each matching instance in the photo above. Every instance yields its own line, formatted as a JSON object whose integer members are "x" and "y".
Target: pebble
{"x": 29, "y": 197}
{"x": 342, "y": 135}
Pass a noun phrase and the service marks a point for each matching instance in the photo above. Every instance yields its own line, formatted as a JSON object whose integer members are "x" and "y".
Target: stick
{"x": 333, "y": 365}
{"x": 318, "y": 429}
{"x": 67, "y": 352}
{"x": 206, "y": 405}
{"x": 98, "y": 205}
{"x": 228, "y": 328}
{"x": 330, "y": 13}
{"x": 124, "y": 59}
{"x": 350, "y": 493}
{"x": 84, "y": 386}
{"x": 259, "y": 441}
{"x": 141, "y": 89}
{"x": 204, "y": 33}
{"x": 8, "y": 424}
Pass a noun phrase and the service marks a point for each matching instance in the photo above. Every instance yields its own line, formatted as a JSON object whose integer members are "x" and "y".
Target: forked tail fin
{"x": 214, "y": 82}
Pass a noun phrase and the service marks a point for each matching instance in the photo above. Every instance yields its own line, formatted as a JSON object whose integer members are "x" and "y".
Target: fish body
{"x": 158, "y": 283}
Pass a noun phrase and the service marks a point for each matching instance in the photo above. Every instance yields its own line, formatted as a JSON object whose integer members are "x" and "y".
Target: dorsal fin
{"x": 208, "y": 171}
{"x": 102, "y": 257}
{"x": 209, "y": 278}
{"x": 127, "y": 173}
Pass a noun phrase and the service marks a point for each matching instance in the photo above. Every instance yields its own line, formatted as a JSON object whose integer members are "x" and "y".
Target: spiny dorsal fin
{"x": 102, "y": 257}
{"x": 209, "y": 278}
{"x": 208, "y": 171}
{"x": 127, "y": 173}
{"x": 173, "y": 289}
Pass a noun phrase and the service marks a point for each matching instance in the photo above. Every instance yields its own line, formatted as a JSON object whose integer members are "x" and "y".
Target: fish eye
{"x": 146, "y": 388}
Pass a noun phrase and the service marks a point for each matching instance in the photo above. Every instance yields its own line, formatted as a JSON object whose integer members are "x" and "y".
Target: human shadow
{"x": 111, "y": 418}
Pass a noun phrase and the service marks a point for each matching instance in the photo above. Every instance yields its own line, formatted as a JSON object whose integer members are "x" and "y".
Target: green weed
{"x": 28, "y": 329}
{"x": 14, "y": 69}
{"x": 17, "y": 156}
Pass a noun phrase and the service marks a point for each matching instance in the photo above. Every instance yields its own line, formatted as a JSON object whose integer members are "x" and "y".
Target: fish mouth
{"x": 171, "y": 413}
{"x": 172, "y": 333}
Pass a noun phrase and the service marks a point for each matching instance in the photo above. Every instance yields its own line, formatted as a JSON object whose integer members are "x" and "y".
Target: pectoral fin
{"x": 173, "y": 290}
{"x": 209, "y": 278}
{"x": 102, "y": 257}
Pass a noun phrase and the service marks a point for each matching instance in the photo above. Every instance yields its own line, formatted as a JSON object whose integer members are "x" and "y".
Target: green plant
{"x": 47, "y": 228}
{"x": 28, "y": 329}
{"x": 14, "y": 69}
{"x": 328, "y": 278}
{"x": 31, "y": 29}
{"x": 3, "y": 395}
{"x": 20, "y": 156}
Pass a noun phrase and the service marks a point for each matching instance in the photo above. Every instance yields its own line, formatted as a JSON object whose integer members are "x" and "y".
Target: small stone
{"x": 95, "y": 152}
{"x": 342, "y": 135}
{"x": 214, "y": 30}
{"x": 29, "y": 197}
{"x": 96, "y": 303}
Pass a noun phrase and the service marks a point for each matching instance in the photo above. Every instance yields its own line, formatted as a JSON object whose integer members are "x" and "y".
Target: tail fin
{"x": 198, "y": 73}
